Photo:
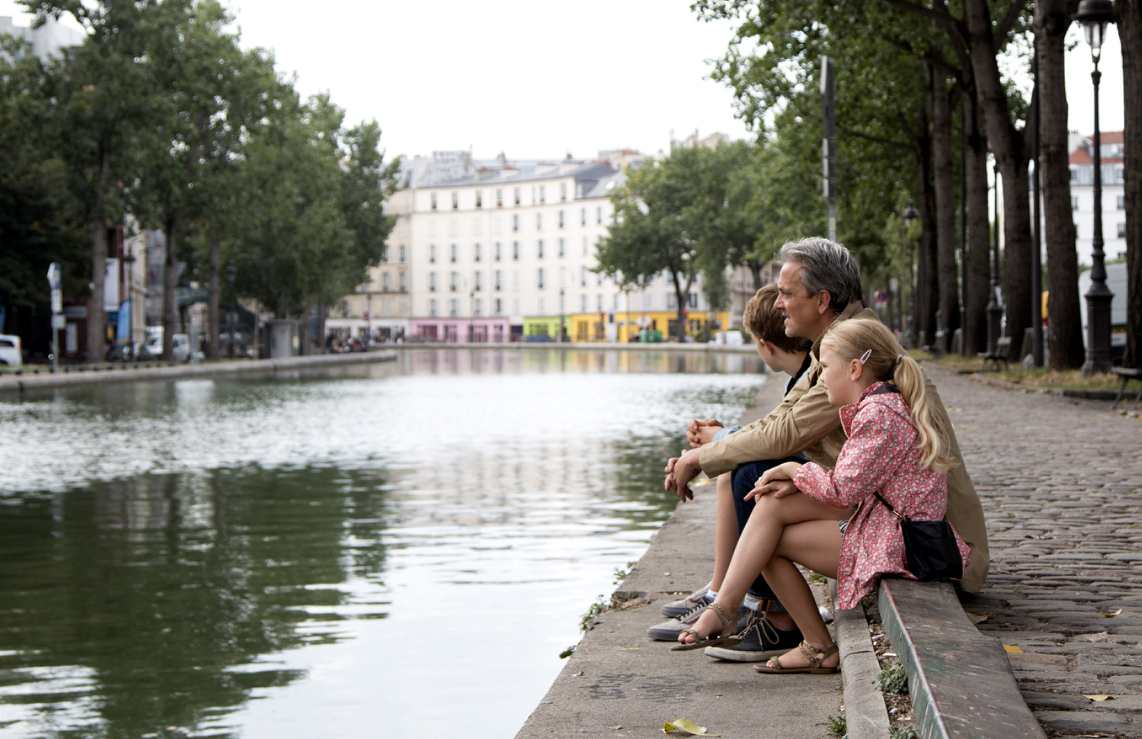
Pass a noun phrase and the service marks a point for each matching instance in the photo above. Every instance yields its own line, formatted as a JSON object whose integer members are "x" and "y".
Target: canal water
{"x": 397, "y": 548}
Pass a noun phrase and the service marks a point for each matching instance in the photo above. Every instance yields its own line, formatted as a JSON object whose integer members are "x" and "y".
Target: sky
{"x": 537, "y": 78}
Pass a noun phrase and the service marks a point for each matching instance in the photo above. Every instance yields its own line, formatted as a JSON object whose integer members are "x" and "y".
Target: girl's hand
{"x": 777, "y": 481}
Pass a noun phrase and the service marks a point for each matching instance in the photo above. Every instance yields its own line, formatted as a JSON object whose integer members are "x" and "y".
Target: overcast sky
{"x": 535, "y": 78}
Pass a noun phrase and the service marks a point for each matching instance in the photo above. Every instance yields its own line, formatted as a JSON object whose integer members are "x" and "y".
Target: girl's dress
{"x": 880, "y": 454}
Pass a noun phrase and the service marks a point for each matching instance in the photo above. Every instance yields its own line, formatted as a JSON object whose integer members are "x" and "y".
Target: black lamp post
{"x": 129, "y": 263}
{"x": 909, "y": 216}
{"x": 1094, "y": 15}
{"x": 994, "y": 308}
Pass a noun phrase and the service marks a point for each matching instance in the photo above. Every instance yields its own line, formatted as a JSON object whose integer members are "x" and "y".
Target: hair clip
{"x": 864, "y": 357}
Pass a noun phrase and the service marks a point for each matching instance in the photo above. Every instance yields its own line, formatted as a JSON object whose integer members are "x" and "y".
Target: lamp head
{"x": 1094, "y": 15}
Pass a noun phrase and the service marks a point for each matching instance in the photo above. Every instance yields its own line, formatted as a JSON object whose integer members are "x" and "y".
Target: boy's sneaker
{"x": 681, "y": 608}
{"x": 762, "y": 641}
{"x": 669, "y": 630}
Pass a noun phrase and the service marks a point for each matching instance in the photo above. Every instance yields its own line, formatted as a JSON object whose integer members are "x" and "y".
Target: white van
{"x": 10, "y": 351}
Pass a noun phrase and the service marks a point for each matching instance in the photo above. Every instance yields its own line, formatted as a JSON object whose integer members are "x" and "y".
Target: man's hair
{"x": 828, "y": 266}
{"x": 766, "y": 323}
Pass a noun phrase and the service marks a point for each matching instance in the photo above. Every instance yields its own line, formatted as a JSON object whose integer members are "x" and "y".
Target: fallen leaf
{"x": 685, "y": 726}
{"x": 1111, "y": 614}
{"x": 1012, "y": 649}
{"x": 978, "y": 618}
{"x": 1099, "y": 698}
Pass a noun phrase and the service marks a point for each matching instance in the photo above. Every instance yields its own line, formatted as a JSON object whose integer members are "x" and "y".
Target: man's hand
{"x": 777, "y": 481}
{"x": 679, "y": 472}
{"x": 701, "y": 431}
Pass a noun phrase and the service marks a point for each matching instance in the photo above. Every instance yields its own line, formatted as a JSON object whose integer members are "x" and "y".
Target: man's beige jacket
{"x": 806, "y": 423}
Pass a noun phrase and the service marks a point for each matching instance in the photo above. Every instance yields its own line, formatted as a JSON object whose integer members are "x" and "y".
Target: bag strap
{"x": 888, "y": 505}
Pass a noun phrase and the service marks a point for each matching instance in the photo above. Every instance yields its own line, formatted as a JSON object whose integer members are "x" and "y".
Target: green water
{"x": 400, "y": 547}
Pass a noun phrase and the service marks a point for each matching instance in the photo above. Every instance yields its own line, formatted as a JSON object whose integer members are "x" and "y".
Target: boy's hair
{"x": 766, "y": 323}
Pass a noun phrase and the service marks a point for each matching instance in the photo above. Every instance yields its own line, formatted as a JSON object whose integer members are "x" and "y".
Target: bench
{"x": 960, "y": 680}
{"x": 1127, "y": 375}
{"x": 999, "y": 356}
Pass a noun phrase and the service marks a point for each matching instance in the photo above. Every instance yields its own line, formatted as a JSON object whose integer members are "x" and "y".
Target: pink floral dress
{"x": 880, "y": 454}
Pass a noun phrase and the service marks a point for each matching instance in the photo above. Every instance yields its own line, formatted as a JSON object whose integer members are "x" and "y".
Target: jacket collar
{"x": 851, "y": 311}
{"x": 848, "y": 412}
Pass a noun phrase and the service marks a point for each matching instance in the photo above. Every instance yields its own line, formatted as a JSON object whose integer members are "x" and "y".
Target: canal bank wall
{"x": 583, "y": 346}
{"x": 618, "y": 683}
{"x": 13, "y": 383}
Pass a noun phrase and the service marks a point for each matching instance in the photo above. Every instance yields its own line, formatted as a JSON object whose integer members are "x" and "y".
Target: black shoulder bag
{"x": 929, "y": 547}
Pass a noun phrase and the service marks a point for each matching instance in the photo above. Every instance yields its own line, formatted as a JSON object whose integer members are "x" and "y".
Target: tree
{"x": 1130, "y": 32}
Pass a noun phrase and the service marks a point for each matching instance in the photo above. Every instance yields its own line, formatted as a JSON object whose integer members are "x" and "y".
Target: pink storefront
{"x": 461, "y": 330}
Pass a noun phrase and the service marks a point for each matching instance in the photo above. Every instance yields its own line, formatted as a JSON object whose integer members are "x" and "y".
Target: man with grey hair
{"x": 818, "y": 285}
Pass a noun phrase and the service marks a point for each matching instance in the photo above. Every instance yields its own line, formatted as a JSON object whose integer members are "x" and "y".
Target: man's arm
{"x": 803, "y": 418}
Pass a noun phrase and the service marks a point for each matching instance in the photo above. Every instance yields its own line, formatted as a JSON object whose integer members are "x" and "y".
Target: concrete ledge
{"x": 20, "y": 383}
{"x": 865, "y": 713}
{"x": 960, "y": 680}
{"x": 580, "y": 346}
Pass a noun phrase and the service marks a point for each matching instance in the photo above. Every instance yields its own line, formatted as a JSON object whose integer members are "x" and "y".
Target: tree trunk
{"x": 214, "y": 312}
{"x": 1130, "y": 33}
{"x": 1064, "y": 339}
{"x": 946, "y": 283}
{"x": 170, "y": 285}
{"x": 1011, "y": 154}
{"x": 755, "y": 272}
{"x": 977, "y": 249}
{"x": 96, "y": 318}
{"x": 927, "y": 279}
{"x": 322, "y": 315}
{"x": 680, "y": 297}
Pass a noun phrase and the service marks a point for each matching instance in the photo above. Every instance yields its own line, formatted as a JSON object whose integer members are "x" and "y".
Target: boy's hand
{"x": 701, "y": 431}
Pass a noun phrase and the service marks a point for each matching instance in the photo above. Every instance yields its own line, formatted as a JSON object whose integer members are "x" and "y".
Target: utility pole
{"x": 58, "y": 320}
{"x": 829, "y": 143}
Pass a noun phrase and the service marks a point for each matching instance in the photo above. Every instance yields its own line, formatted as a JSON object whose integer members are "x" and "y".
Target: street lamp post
{"x": 129, "y": 261}
{"x": 1094, "y": 15}
{"x": 909, "y": 216}
{"x": 994, "y": 308}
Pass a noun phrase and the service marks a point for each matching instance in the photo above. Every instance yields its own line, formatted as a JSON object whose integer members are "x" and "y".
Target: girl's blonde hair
{"x": 887, "y": 360}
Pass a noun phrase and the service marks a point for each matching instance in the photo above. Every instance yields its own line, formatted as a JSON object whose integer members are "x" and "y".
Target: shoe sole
{"x": 738, "y": 655}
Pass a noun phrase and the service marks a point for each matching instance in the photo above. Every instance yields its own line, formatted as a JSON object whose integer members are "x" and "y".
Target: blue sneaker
{"x": 761, "y": 641}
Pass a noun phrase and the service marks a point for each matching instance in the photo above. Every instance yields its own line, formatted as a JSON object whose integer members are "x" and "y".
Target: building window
{"x": 1122, "y": 230}
{"x": 515, "y": 195}
{"x": 496, "y": 280}
{"x": 515, "y": 222}
{"x": 598, "y": 214}
{"x": 455, "y": 200}
{"x": 479, "y": 199}
{"x": 499, "y": 198}
{"x": 582, "y": 216}
{"x": 1074, "y": 203}
{"x": 515, "y": 251}
{"x": 431, "y": 282}
{"x": 693, "y": 300}
{"x": 539, "y": 278}
{"x": 582, "y": 277}
{"x": 453, "y": 307}
{"x": 497, "y": 253}
{"x": 400, "y": 282}
{"x": 560, "y": 219}
{"x": 453, "y": 280}
{"x": 432, "y": 253}
{"x": 563, "y": 192}
{"x": 432, "y": 200}
{"x": 538, "y": 221}
{"x": 583, "y": 303}
{"x": 539, "y": 249}
{"x": 476, "y": 281}
{"x": 432, "y": 307}
{"x": 476, "y": 252}
{"x": 453, "y": 250}
{"x": 476, "y": 307}
{"x": 543, "y": 193}
{"x": 499, "y": 307}
{"x": 385, "y": 282}
{"x": 1122, "y": 202}
{"x": 599, "y": 302}
{"x": 402, "y": 254}
{"x": 562, "y": 248}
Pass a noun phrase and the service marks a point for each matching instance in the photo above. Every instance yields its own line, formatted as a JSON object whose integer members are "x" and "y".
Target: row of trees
{"x": 160, "y": 114}
{"x": 921, "y": 103}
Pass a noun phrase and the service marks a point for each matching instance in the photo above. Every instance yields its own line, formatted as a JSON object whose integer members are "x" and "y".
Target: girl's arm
{"x": 878, "y": 442}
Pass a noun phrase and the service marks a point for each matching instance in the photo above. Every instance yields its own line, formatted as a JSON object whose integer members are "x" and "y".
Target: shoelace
{"x": 696, "y": 608}
{"x": 760, "y": 621}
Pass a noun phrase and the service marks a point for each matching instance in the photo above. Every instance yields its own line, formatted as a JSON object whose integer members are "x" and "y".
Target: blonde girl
{"x": 830, "y": 520}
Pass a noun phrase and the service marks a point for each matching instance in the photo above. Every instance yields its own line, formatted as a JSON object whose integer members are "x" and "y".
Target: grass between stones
{"x": 1033, "y": 377}
{"x": 892, "y": 680}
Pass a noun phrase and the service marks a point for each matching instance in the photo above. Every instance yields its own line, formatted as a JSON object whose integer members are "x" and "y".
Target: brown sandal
{"x": 816, "y": 655}
{"x": 722, "y": 639}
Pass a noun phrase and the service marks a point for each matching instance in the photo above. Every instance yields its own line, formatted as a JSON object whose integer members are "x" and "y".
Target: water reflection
{"x": 298, "y": 555}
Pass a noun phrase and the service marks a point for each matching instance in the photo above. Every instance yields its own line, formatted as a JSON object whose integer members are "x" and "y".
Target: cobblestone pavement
{"x": 1061, "y": 485}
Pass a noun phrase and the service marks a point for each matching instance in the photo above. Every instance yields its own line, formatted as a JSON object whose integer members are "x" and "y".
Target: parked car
{"x": 11, "y": 354}
{"x": 153, "y": 349}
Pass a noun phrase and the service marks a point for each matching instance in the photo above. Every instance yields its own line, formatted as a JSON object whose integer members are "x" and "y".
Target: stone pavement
{"x": 1061, "y": 485}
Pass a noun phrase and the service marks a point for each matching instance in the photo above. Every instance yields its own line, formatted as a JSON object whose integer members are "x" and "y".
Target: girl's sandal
{"x": 813, "y": 653}
{"x": 722, "y": 639}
